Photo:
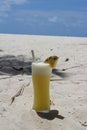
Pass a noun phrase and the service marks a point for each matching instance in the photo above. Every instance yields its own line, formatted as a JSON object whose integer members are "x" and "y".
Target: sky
{"x": 44, "y": 17}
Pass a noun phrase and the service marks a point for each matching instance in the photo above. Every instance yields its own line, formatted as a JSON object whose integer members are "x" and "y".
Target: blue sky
{"x": 44, "y": 17}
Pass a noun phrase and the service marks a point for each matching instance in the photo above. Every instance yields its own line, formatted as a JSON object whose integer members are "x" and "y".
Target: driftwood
{"x": 71, "y": 67}
{"x": 83, "y": 124}
{"x": 33, "y": 55}
{"x": 54, "y": 79}
{"x": 20, "y": 92}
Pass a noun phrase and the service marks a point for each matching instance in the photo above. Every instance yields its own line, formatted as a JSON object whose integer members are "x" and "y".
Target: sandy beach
{"x": 68, "y": 87}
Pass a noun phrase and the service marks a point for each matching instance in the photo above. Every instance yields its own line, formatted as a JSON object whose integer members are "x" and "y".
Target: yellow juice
{"x": 41, "y": 83}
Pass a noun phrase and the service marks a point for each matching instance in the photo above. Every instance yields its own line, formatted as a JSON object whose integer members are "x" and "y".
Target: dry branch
{"x": 20, "y": 92}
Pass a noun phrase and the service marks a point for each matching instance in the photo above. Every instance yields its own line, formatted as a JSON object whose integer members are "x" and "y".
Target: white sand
{"x": 68, "y": 94}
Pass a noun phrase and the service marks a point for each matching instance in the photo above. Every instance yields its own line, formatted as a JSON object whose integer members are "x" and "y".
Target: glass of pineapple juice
{"x": 41, "y": 83}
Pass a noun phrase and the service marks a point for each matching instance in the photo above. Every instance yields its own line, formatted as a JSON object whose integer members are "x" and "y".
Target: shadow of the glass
{"x": 52, "y": 114}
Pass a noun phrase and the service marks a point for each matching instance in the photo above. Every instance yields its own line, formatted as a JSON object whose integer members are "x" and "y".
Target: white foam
{"x": 41, "y": 68}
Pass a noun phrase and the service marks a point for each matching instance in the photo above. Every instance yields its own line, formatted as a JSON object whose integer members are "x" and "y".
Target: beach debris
{"x": 52, "y": 103}
{"x": 52, "y": 61}
{"x": 33, "y": 55}
{"x": 83, "y": 123}
{"x": 51, "y": 49}
{"x": 67, "y": 59}
{"x": 71, "y": 67}
{"x": 54, "y": 79}
{"x": 19, "y": 92}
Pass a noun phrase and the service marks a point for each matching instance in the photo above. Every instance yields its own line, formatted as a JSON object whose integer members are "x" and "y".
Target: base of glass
{"x": 43, "y": 111}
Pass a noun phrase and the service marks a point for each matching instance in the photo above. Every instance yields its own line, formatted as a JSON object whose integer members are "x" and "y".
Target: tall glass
{"x": 41, "y": 82}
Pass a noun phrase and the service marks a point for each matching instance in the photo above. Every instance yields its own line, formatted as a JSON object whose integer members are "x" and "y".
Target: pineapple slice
{"x": 52, "y": 61}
